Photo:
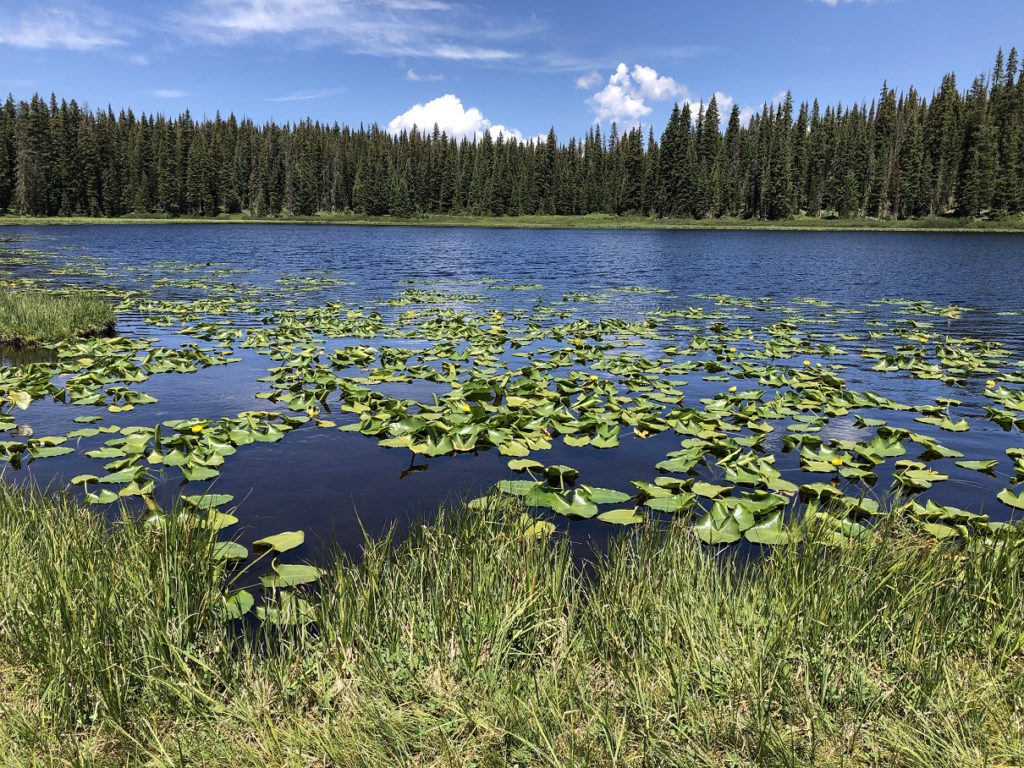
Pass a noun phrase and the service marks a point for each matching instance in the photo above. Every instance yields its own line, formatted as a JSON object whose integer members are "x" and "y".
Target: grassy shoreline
{"x": 470, "y": 644}
{"x": 595, "y": 221}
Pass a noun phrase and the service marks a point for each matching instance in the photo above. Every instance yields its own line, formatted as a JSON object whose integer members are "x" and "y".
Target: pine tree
{"x": 902, "y": 156}
{"x": 401, "y": 198}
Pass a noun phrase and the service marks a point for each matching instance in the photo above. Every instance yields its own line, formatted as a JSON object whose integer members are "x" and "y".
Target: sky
{"x": 517, "y": 68}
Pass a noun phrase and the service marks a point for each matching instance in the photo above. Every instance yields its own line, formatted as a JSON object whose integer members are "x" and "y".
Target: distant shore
{"x": 596, "y": 221}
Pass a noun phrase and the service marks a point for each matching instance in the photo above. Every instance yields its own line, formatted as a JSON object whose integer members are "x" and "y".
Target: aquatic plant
{"x": 775, "y": 431}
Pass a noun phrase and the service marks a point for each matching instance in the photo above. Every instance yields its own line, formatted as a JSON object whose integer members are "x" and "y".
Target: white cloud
{"x": 139, "y": 60}
{"x": 170, "y": 93}
{"x": 416, "y": 28}
{"x": 449, "y": 114}
{"x": 653, "y": 87}
{"x": 321, "y": 93}
{"x": 55, "y": 27}
{"x": 834, "y": 3}
{"x": 586, "y": 82}
{"x": 624, "y": 98}
{"x": 416, "y": 77}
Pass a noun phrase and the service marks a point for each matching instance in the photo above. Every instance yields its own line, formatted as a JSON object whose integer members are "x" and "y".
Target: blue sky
{"x": 474, "y": 66}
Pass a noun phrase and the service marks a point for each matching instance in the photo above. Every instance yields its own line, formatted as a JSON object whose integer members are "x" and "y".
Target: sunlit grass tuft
{"x": 470, "y": 644}
{"x": 37, "y": 316}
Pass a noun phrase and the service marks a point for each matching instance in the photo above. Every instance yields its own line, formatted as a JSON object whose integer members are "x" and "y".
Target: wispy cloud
{"x": 321, "y": 93}
{"x": 416, "y": 77}
{"x": 414, "y": 28}
{"x": 170, "y": 93}
{"x": 845, "y": 2}
{"x": 586, "y": 82}
{"x": 82, "y": 29}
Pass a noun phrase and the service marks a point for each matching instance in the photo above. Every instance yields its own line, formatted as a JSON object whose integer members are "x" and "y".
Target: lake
{"x": 831, "y": 298}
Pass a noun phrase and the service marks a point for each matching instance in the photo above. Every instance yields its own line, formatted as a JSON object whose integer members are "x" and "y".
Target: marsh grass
{"x": 39, "y": 316}
{"x": 466, "y": 644}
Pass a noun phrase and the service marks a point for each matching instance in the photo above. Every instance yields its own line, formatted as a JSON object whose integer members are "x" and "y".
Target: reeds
{"x": 468, "y": 644}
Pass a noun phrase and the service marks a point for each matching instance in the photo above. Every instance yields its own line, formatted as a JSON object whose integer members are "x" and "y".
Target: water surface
{"x": 337, "y": 485}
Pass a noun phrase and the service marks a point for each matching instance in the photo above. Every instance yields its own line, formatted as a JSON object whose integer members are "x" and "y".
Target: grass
{"x": 38, "y": 316}
{"x": 468, "y": 645}
{"x": 592, "y": 221}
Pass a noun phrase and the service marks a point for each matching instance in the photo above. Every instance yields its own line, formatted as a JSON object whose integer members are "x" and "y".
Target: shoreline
{"x": 590, "y": 222}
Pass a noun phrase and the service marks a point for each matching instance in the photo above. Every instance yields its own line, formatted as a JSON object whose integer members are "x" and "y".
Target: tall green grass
{"x": 38, "y": 316}
{"x": 466, "y": 644}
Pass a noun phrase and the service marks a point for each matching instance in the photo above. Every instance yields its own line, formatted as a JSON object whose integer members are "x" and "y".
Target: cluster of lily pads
{"x": 522, "y": 379}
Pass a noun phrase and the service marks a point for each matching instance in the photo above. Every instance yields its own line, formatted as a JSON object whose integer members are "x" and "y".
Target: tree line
{"x": 960, "y": 153}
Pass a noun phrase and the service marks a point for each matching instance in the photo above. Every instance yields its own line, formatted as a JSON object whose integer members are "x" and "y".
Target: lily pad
{"x": 280, "y": 542}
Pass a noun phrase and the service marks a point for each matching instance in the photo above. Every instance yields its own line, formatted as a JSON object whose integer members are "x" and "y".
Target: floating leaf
{"x": 291, "y": 576}
{"x": 281, "y": 542}
{"x": 621, "y": 517}
{"x": 984, "y": 465}
{"x": 1011, "y": 499}
{"x": 208, "y": 501}
{"x": 769, "y": 531}
{"x": 230, "y": 550}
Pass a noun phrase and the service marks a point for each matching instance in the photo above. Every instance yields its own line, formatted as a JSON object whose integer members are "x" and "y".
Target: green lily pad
{"x": 230, "y": 550}
{"x": 769, "y": 531}
{"x": 291, "y": 576}
{"x": 710, "y": 531}
{"x": 621, "y": 517}
{"x": 984, "y": 465}
{"x": 281, "y": 542}
{"x": 1011, "y": 499}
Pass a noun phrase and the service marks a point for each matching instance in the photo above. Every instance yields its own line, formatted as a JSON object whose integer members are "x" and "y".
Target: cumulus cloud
{"x": 170, "y": 93}
{"x": 449, "y": 114}
{"x": 420, "y": 28}
{"x": 651, "y": 85}
{"x": 416, "y": 77}
{"x": 847, "y": 2}
{"x": 56, "y": 27}
{"x": 624, "y": 98}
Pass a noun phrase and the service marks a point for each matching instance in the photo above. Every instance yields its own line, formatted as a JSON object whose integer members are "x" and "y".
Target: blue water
{"x": 338, "y": 485}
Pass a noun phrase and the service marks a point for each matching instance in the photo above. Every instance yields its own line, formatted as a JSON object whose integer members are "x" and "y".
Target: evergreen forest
{"x": 959, "y": 152}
